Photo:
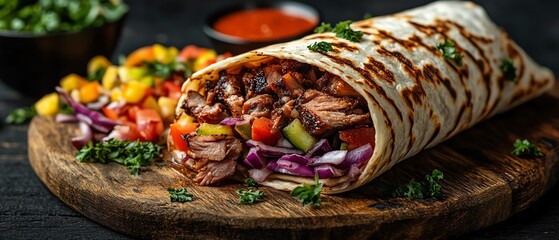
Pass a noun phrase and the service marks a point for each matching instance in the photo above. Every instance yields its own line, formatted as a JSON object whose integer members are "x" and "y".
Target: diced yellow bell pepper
{"x": 207, "y": 129}
{"x": 47, "y": 105}
{"x": 127, "y": 74}
{"x": 185, "y": 119}
{"x": 96, "y": 63}
{"x": 116, "y": 94}
{"x": 110, "y": 79}
{"x": 204, "y": 60}
{"x": 151, "y": 103}
{"x": 89, "y": 92}
{"x": 133, "y": 91}
{"x": 71, "y": 82}
{"x": 147, "y": 80}
{"x": 160, "y": 53}
{"x": 167, "y": 108}
{"x": 173, "y": 53}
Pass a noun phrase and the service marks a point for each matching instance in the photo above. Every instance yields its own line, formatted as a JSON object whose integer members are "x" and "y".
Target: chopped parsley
{"x": 430, "y": 188}
{"x": 308, "y": 194}
{"x": 324, "y": 27}
{"x": 165, "y": 70}
{"x": 509, "y": 70}
{"x": 133, "y": 155}
{"x": 343, "y": 30}
{"x": 448, "y": 49}
{"x": 251, "y": 183}
{"x": 526, "y": 149}
{"x": 179, "y": 195}
{"x": 21, "y": 115}
{"x": 367, "y": 15}
{"x": 321, "y": 46}
{"x": 250, "y": 196}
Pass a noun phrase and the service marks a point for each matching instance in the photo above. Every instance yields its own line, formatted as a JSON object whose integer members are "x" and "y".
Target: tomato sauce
{"x": 264, "y": 24}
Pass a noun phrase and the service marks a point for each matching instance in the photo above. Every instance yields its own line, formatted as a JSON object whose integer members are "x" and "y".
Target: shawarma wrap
{"x": 394, "y": 83}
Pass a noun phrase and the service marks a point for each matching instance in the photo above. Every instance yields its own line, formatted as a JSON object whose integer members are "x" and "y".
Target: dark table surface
{"x": 28, "y": 210}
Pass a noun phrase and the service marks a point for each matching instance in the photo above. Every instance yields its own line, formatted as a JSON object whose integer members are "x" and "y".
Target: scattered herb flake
{"x": 509, "y": 70}
{"x": 133, "y": 154}
{"x": 251, "y": 183}
{"x": 21, "y": 115}
{"x": 324, "y": 27}
{"x": 367, "y": 15}
{"x": 179, "y": 195}
{"x": 321, "y": 46}
{"x": 308, "y": 194}
{"x": 448, "y": 49}
{"x": 526, "y": 149}
{"x": 343, "y": 30}
{"x": 250, "y": 196}
{"x": 419, "y": 190}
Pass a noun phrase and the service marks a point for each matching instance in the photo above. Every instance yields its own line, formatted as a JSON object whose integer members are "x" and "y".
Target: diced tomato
{"x": 177, "y": 130}
{"x": 358, "y": 137}
{"x": 173, "y": 90}
{"x": 110, "y": 113}
{"x": 132, "y": 133}
{"x": 132, "y": 112}
{"x": 262, "y": 131}
{"x": 149, "y": 124}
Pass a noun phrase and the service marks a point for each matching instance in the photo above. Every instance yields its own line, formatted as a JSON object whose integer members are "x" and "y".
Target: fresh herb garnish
{"x": 321, "y": 46}
{"x": 324, "y": 27}
{"x": 429, "y": 188}
{"x": 509, "y": 70}
{"x": 133, "y": 155}
{"x": 308, "y": 194}
{"x": 97, "y": 75}
{"x": 448, "y": 49}
{"x": 343, "y": 30}
{"x": 164, "y": 70}
{"x": 46, "y": 16}
{"x": 65, "y": 108}
{"x": 250, "y": 196}
{"x": 21, "y": 115}
{"x": 525, "y": 148}
{"x": 251, "y": 183}
{"x": 367, "y": 15}
{"x": 179, "y": 195}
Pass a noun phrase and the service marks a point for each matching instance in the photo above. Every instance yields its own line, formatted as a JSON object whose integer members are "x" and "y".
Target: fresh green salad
{"x": 47, "y": 16}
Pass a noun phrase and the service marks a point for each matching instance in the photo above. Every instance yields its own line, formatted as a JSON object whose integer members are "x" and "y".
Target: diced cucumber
{"x": 244, "y": 130}
{"x": 343, "y": 146}
{"x": 296, "y": 134}
{"x": 207, "y": 129}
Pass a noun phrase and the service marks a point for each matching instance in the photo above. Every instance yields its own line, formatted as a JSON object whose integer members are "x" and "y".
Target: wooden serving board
{"x": 483, "y": 184}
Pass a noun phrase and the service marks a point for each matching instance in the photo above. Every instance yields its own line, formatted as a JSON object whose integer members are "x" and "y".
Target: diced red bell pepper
{"x": 358, "y": 137}
{"x": 262, "y": 131}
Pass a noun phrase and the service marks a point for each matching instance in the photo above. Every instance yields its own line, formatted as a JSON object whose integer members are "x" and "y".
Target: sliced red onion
{"x": 85, "y": 137}
{"x": 296, "y": 158}
{"x": 271, "y": 151}
{"x": 295, "y": 168}
{"x": 332, "y": 157}
{"x": 119, "y": 132}
{"x": 231, "y": 121}
{"x": 116, "y": 105}
{"x": 98, "y": 121}
{"x": 64, "y": 118}
{"x": 282, "y": 142}
{"x": 319, "y": 148}
{"x": 254, "y": 159}
{"x": 357, "y": 156}
{"x": 259, "y": 174}
{"x": 328, "y": 171}
{"x": 101, "y": 102}
{"x": 354, "y": 172}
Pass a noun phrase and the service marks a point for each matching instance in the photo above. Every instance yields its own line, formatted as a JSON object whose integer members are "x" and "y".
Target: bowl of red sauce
{"x": 247, "y": 26}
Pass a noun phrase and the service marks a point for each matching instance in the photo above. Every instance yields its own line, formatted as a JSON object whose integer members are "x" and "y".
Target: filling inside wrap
{"x": 270, "y": 118}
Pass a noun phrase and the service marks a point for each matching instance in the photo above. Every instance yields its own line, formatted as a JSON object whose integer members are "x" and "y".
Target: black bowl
{"x": 34, "y": 64}
{"x": 235, "y": 45}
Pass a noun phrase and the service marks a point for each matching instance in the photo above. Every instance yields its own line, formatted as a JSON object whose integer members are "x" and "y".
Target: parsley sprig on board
{"x": 429, "y": 188}
{"x": 526, "y": 148}
{"x": 309, "y": 194}
{"x": 250, "y": 196}
{"x": 133, "y": 155}
{"x": 179, "y": 195}
{"x": 449, "y": 51}
{"x": 21, "y": 115}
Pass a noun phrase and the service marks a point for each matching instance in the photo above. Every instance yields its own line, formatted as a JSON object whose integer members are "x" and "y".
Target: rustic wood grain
{"x": 484, "y": 184}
